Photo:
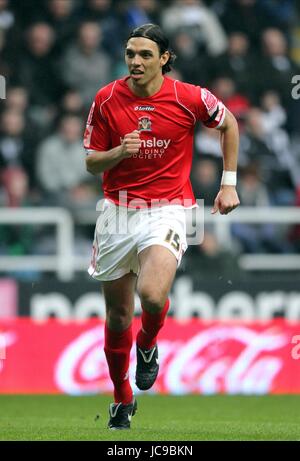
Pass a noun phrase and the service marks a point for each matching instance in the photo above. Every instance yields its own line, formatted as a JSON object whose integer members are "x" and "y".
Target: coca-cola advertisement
{"x": 195, "y": 357}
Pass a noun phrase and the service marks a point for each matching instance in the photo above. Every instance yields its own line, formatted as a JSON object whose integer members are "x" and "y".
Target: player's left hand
{"x": 226, "y": 200}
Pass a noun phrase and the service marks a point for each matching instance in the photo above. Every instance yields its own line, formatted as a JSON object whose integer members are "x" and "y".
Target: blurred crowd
{"x": 56, "y": 54}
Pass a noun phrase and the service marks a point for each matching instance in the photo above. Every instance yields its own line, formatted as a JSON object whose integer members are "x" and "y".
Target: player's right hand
{"x": 131, "y": 144}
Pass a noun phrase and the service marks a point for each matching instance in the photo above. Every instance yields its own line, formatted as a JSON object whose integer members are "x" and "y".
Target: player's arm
{"x": 97, "y": 162}
{"x": 227, "y": 198}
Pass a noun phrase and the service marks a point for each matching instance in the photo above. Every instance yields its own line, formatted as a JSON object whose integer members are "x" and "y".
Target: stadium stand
{"x": 247, "y": 52}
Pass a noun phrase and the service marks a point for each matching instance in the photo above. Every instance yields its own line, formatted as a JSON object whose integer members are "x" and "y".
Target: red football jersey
{"x": 166, "y": 121}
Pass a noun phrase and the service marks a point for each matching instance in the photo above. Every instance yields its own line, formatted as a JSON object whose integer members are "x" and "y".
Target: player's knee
{"x": 151, "y": 301}
{"x": 118, "y": 323}
{"x": 118, "y": 319}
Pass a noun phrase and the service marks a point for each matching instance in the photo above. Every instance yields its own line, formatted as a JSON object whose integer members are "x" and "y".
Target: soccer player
{"x": 140, "y": 135}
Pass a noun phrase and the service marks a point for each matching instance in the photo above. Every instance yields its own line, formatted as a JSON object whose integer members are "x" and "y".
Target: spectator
{"x": 16, "y": 150}
{"x": 15, "y": 182}
{"x": 140, "y": 12}
{"x": 274, "y": 114}
{"x": 276, "y": 64}
{"x": 253, "y": 146}
{"x": 252, "y": 190}
{"x": 60, "y": 16}
{"x": 28, "y": 12}
{"x": 256, "y": 238}
{"x": 102, "y": 12}
{"x": 206, "y": 180}
{"x": 246, "y": 16}
{"x": 207, "y": 142}
{"x": 227, "y": 62}
{"x": 193, "y": 17}
{"x": 237, "y": 63}
{"x": 273, "y": 119}
{"x": 279, "y": 13}
{"x": 189, "y": 62}
{"x": 17, "y": 99}
{"x": 85, "y": 66}
{"x": 5, "y": 66}
{"x": 72, "y": 103}
{"x": 16, "y": 239}
{"x": 7, "y": 18}
{"x": 36, "y": 69}
{"x": 270, "y": 150}
{"x": 237, "y": 103}
{"x": 9, "y": 35}
{"x": 60, "y": 167}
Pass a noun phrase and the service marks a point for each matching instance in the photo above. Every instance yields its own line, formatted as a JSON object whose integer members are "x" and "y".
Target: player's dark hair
{"x": 154, "y": 33}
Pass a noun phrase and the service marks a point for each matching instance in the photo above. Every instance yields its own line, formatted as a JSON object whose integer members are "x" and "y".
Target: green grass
{"x": 159, "y": 418}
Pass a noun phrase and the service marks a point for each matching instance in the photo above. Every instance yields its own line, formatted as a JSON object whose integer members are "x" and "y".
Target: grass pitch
{"x": 159, "y": 418}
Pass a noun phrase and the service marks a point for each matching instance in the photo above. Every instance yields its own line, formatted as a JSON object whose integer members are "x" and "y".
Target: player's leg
{"x": 119, "y": 301}
{"x": 112, "y": 264}
{"x": 157, "y": 271}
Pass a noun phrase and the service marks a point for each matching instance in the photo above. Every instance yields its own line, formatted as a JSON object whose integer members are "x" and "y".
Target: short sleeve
{"x": 96, "y": 136}
{"x": 209, "y": 109}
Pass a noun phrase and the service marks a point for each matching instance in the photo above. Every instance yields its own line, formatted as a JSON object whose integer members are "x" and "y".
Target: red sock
{"x": 151, "y": 324}
{"x": 117, "y": 350}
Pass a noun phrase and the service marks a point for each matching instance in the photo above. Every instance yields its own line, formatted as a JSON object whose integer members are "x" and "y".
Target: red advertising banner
{"x": 195, "y": 357}
{"x": 9, "y": 298}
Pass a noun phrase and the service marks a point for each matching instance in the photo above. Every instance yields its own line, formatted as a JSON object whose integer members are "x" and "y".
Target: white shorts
{"x": 122, "y": 233}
